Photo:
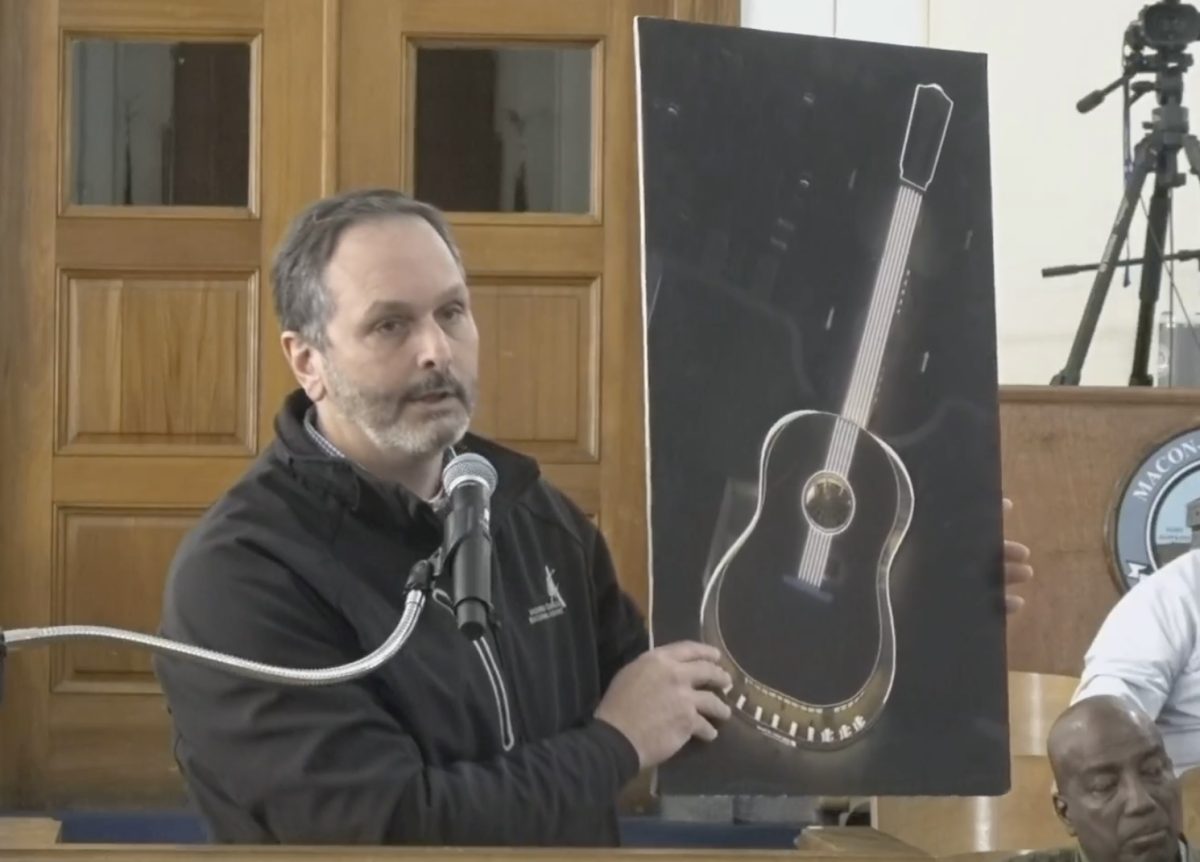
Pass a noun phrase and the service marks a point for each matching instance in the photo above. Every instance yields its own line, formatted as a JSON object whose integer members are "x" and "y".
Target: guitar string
{"x": 853, "y": 410}
{"x": 846, "y": 433}
{"x": 885, "y": 310}
{"x": 866, "y": 374}
{"x": 890, "y": 279}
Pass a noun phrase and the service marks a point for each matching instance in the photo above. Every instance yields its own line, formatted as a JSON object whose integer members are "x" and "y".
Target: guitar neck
{"x": 928, "y": 119}
{"x": 889, "y": 279}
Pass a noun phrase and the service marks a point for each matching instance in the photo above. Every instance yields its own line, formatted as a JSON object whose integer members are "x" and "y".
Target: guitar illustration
{"x": 800, "y": 603}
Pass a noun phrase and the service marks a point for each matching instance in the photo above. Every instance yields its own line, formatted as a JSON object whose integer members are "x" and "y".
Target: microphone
{"x": 469, "y": 480}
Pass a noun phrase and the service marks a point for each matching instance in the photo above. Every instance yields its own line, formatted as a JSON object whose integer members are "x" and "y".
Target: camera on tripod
{"x": 1166, "y": 26}
{"x": 1155, "y": 41}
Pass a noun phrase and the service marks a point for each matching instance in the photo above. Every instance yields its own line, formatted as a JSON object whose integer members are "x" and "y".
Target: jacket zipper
{"x": 484, "y": 648}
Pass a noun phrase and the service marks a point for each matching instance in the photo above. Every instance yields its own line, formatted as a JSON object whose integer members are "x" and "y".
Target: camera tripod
{"x": 1158, "y": 153}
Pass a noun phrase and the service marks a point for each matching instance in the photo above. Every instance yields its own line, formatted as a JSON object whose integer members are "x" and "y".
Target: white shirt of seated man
{"x": 1147, "y": 650}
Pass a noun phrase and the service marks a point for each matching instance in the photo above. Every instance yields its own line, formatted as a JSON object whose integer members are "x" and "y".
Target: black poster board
{"x": 823, "y": 437}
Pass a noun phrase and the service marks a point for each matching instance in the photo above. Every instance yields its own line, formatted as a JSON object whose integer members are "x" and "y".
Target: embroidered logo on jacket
{"x": 553, "y": 607}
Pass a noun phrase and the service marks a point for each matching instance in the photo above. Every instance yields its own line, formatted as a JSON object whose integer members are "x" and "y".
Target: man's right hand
{"x": 662, "y": 699}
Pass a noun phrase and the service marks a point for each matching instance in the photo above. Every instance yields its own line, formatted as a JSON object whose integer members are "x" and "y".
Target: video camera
{"x": 1167, "y": 26}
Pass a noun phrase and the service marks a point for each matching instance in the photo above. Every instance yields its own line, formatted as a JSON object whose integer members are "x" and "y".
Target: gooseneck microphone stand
{"x": 419, "y": 584}
{"x": 1157, "y": 153}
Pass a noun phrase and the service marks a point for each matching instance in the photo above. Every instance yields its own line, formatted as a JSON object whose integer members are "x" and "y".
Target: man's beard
{"x": 388, "y": 420}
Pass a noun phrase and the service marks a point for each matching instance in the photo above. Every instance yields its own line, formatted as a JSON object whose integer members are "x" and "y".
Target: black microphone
{"x": 469, "y": 480}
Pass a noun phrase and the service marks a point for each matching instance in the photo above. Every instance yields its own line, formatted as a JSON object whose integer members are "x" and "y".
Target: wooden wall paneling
{"x": 28, "y": 82}
{"x": 1065, "y": 452}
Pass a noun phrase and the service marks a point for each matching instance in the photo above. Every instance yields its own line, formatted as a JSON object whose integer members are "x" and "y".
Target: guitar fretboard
{"x": 889, "y": 279}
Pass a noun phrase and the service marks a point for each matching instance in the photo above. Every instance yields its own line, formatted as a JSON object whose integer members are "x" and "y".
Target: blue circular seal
{"x": 1157, "y": 516}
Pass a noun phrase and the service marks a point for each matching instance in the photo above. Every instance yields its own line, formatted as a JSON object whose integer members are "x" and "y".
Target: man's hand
{"x": 659, "y": 700}
{"x": 1017, "y": 569}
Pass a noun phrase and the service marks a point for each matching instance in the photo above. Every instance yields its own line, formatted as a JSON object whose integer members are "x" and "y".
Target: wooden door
{"x": 139, "y": 366}
{"x": 161, "y": 149}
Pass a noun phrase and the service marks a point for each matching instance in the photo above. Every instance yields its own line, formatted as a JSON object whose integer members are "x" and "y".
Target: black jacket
{"x": 303, "y": 564}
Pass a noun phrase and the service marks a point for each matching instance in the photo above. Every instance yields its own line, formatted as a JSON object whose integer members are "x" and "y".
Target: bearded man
{"x": 524, "y": 736}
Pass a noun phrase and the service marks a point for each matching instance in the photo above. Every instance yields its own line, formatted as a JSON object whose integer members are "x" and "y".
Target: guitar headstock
{"x": 927, "y": 122}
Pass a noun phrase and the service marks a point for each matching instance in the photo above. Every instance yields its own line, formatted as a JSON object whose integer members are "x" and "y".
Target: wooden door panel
{"x": 538, "y": 365}
{"x": 109, "y": 562}
{"x": 108, "y": 750}
{"x": 149, "y": 364}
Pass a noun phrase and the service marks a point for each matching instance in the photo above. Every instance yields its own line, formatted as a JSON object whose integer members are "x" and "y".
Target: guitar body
{"x": 800, "y": 604}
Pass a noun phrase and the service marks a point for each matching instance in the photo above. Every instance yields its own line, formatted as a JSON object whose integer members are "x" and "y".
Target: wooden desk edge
{"x": 885, "y": 849}
{"x": 207, "y": 853}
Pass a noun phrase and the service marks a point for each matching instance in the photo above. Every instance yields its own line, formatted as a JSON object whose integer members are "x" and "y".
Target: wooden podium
{"x": 1065, "y": 452}
{"x": 37, "y": 839}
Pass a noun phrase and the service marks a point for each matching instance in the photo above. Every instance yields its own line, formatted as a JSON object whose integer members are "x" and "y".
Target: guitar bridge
{"x": 815, "y": 591}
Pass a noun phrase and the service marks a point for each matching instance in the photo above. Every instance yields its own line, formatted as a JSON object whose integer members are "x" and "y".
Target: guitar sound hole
{"x": 828, "y": 502}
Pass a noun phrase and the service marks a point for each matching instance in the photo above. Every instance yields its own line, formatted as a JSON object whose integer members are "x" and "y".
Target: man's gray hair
{"x": 302, "y": 300}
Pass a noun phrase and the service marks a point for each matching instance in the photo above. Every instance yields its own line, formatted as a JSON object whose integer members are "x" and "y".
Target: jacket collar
{"x": 322, "y": 468}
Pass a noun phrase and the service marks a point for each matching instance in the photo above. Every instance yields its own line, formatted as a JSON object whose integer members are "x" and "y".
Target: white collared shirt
{"x": 1148, "y": 652}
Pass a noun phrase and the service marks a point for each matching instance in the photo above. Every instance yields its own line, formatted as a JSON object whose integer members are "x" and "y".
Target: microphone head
{"x": 469, "y": 467}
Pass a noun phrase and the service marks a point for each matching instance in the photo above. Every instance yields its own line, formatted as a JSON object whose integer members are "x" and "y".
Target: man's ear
{"x": 306, "y": 363}
{"x": 1060, "y": 809}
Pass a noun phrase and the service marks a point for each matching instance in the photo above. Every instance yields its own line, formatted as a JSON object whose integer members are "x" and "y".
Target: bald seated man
{"x": 1116, "y": 791}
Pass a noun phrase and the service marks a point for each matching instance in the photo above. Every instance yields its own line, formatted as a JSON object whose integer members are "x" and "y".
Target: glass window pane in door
{"x": 159, "y": 123}
{"x": 504, "y": 129}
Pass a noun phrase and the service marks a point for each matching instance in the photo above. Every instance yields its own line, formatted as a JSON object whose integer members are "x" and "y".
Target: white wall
{"x": 1056, "y": 174}
{"x": 900, "y": 22}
